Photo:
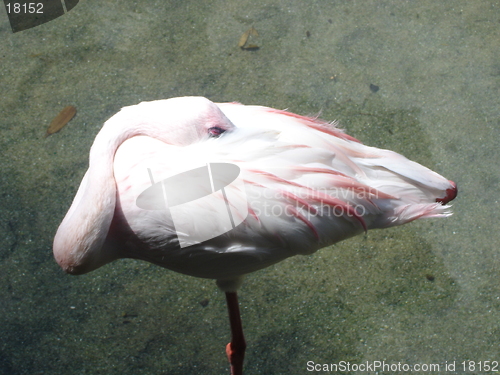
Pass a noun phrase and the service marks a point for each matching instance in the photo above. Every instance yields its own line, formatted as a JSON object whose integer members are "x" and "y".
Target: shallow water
{"x": 426, "y": 293}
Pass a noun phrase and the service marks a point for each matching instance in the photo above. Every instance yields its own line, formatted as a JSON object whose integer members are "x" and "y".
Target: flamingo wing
{"x": 306, "y": 185}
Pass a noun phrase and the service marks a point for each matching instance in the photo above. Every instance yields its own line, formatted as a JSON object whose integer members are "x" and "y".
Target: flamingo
{"x": 289, "y": 184}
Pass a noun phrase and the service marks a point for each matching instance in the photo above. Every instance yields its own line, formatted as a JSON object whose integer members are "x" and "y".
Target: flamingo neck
{"x": 78, "y": 244}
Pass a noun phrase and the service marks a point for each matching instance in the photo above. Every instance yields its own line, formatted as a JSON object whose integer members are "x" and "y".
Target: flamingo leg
{"x": 235, "y": 350}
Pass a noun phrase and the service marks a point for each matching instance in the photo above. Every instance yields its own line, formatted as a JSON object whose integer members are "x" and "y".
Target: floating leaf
{"x": 61, "y": 119}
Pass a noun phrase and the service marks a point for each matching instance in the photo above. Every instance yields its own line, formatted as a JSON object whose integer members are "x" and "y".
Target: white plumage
{"x": 307, "y": 183}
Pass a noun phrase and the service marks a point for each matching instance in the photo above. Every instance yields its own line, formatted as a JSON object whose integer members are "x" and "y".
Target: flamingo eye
{"x": 215, "y": 132}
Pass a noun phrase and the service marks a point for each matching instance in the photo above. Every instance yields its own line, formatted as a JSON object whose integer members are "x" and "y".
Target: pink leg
{"x": 235, "y": 350}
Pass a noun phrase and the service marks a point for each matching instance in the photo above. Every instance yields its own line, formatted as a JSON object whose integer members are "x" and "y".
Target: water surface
{"x": 425, "y": 293}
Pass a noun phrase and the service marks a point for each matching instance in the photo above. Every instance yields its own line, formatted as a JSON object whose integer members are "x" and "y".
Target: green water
{"x": 425, "y": 293}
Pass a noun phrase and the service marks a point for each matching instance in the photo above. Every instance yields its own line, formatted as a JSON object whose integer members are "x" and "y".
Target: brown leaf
{"x": 61, "y": 119}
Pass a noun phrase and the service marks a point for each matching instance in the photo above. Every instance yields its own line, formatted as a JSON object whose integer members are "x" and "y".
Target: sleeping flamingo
{"x": 289, "y": 185}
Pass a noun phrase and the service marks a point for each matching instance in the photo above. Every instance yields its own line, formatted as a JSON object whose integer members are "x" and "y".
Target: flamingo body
{"x": 252, "y": 186}
{"x": 306, "y": 185}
